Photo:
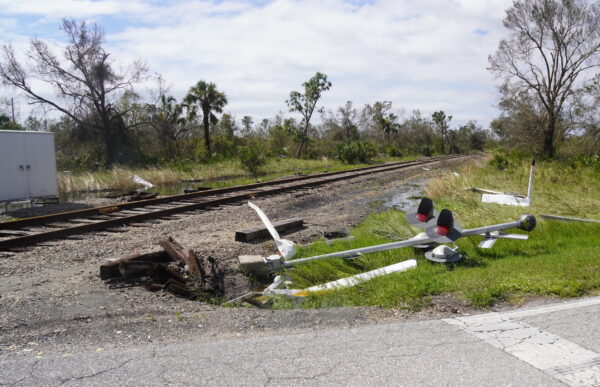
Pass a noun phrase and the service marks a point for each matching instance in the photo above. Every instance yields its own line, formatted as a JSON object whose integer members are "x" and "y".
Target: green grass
{"x": 560, "y": 259}
{"x": 217, "y": 174}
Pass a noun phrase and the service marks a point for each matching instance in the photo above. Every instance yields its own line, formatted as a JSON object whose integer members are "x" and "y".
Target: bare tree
{"x": 84, "y": 80}
{"x": 550, "y": 45}
{"x": 348, "y": 120}
{"x": 342, "y": 124}
{"x": 522, "y": 121}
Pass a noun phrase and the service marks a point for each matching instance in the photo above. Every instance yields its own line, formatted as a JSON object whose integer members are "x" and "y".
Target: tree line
{"x": 549, "y": 103}
{"x": 105, "y": 122}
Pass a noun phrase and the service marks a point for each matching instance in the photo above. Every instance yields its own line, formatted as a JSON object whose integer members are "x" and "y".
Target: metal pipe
{"x": 417, "y": 240}
{"x": 567, "y": 219}
{"x": 530, "y": 186}
{"x": 362, "y": 277}
{"x": 526, "y": 222}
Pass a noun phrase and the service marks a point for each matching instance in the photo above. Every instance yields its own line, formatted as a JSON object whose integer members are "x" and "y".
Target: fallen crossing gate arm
{"x": 276, "y": 262}
{"x": 341, "y": 283}
{"x": 417, "y": 240}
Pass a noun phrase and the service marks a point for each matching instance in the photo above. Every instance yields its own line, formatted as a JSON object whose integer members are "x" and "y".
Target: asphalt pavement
{"x": 552, "y": 345}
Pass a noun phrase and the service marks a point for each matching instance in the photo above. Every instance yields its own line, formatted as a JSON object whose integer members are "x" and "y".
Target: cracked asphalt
{"x": 458, "y": 352}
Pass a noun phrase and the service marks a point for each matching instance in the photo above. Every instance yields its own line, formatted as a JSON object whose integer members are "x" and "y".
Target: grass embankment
{"x": 217, "y": 174}
{"x": 559, "y": 259}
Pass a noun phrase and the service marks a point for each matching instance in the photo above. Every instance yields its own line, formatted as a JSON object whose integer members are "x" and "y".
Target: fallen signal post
{"x": 437, "y": 230}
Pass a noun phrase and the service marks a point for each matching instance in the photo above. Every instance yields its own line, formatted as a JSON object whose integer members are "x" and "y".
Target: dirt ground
{"x": 52, "y": 299}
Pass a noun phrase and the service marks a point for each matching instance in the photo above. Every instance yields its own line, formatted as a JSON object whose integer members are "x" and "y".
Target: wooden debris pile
{"x": 175, "y": 268}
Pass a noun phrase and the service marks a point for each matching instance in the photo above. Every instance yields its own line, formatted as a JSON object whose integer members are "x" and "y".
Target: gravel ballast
{"x": 52, "y": 298}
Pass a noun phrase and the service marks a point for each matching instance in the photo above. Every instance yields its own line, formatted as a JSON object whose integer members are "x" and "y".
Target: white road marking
{"x": 558, "y": 357}
{"x": 554, "y": 307}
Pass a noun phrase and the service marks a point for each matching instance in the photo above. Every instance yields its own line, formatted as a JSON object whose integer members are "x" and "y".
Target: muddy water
{"x": 405, "y": 195}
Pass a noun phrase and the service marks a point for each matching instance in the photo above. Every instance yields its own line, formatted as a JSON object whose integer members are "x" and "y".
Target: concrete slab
{"x": 429, "y": 353}
{"x": 580, "y": 325}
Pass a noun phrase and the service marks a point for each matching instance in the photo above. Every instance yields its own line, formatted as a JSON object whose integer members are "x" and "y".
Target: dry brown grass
{"x": 121, "y": 178}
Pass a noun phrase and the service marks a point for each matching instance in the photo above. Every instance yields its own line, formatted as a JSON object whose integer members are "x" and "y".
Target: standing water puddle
{"x": 406, "y": 195}
{"x": 165, "y": 190}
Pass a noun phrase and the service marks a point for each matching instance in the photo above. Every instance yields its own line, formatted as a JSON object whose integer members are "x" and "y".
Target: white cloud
{"x": 70, "y": 8}
{"x": 424, "y": 55}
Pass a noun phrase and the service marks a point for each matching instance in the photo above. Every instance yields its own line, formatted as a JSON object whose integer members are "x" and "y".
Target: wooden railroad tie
{"x": 261, "y": 232}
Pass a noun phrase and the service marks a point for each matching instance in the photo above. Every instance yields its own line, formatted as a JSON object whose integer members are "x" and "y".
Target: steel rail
{"x": 123, "y": 214}
{"x": 103, "y": 210}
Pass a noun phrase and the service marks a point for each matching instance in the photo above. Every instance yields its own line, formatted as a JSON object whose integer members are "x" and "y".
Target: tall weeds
{"x": 121, "y": 178}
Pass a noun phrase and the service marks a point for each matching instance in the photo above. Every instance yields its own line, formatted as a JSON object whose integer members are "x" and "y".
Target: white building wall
{"x": 27, "y": 165}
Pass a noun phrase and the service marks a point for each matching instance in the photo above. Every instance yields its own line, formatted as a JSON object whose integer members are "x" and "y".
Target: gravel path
{"x": 51, "y": 295}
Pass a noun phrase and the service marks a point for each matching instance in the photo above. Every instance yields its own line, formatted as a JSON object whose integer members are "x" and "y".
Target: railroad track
{"x": 28, "y": 231}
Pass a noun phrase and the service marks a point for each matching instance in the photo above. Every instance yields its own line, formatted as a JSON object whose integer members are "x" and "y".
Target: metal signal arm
{"x": 525, "y": 222}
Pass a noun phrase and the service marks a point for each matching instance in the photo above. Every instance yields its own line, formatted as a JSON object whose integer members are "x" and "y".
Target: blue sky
{"x": 428, "y": 55}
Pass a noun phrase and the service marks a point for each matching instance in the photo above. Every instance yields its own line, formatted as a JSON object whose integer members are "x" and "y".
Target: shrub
{"x": 355, "y": 152}
{"x": 252, "y": 159}
{"x": 590, "y": 161}
{"x": 427, "y": 150}
{"x": 393, "y": 152}
{"x": 500, "y": 161}
{"x": 224, "y": 147}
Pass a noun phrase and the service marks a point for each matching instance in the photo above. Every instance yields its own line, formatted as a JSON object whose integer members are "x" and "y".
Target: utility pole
{"x": 12, "y": 106}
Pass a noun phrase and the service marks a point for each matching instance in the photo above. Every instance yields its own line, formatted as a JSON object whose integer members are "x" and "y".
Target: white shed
{"x": 27, "y": 165}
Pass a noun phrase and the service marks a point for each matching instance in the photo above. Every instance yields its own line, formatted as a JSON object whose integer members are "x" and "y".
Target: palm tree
{"x": 209, "y": 99}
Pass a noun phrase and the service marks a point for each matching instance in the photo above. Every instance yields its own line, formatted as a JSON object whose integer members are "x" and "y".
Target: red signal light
{"x": 442, "y": 229}
{"x": 422, "y": 217}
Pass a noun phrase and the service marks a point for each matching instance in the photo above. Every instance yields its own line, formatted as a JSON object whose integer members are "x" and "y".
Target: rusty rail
{"x": 19, "y": 231}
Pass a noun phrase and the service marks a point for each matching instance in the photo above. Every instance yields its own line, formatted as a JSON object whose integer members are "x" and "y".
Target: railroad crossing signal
{"x": 439, "y": 229}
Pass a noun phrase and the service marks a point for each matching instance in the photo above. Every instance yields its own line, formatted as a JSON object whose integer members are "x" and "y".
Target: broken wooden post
{"x": 180, "y": 253}
{"x": 154, "y": 272}
{"x": 259, "y": 232}
{"x": 163, "y": 274}
{"x": 212, "y": 276}
{"x": 111, "y": 269}
{"x": 135, "y": 268}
